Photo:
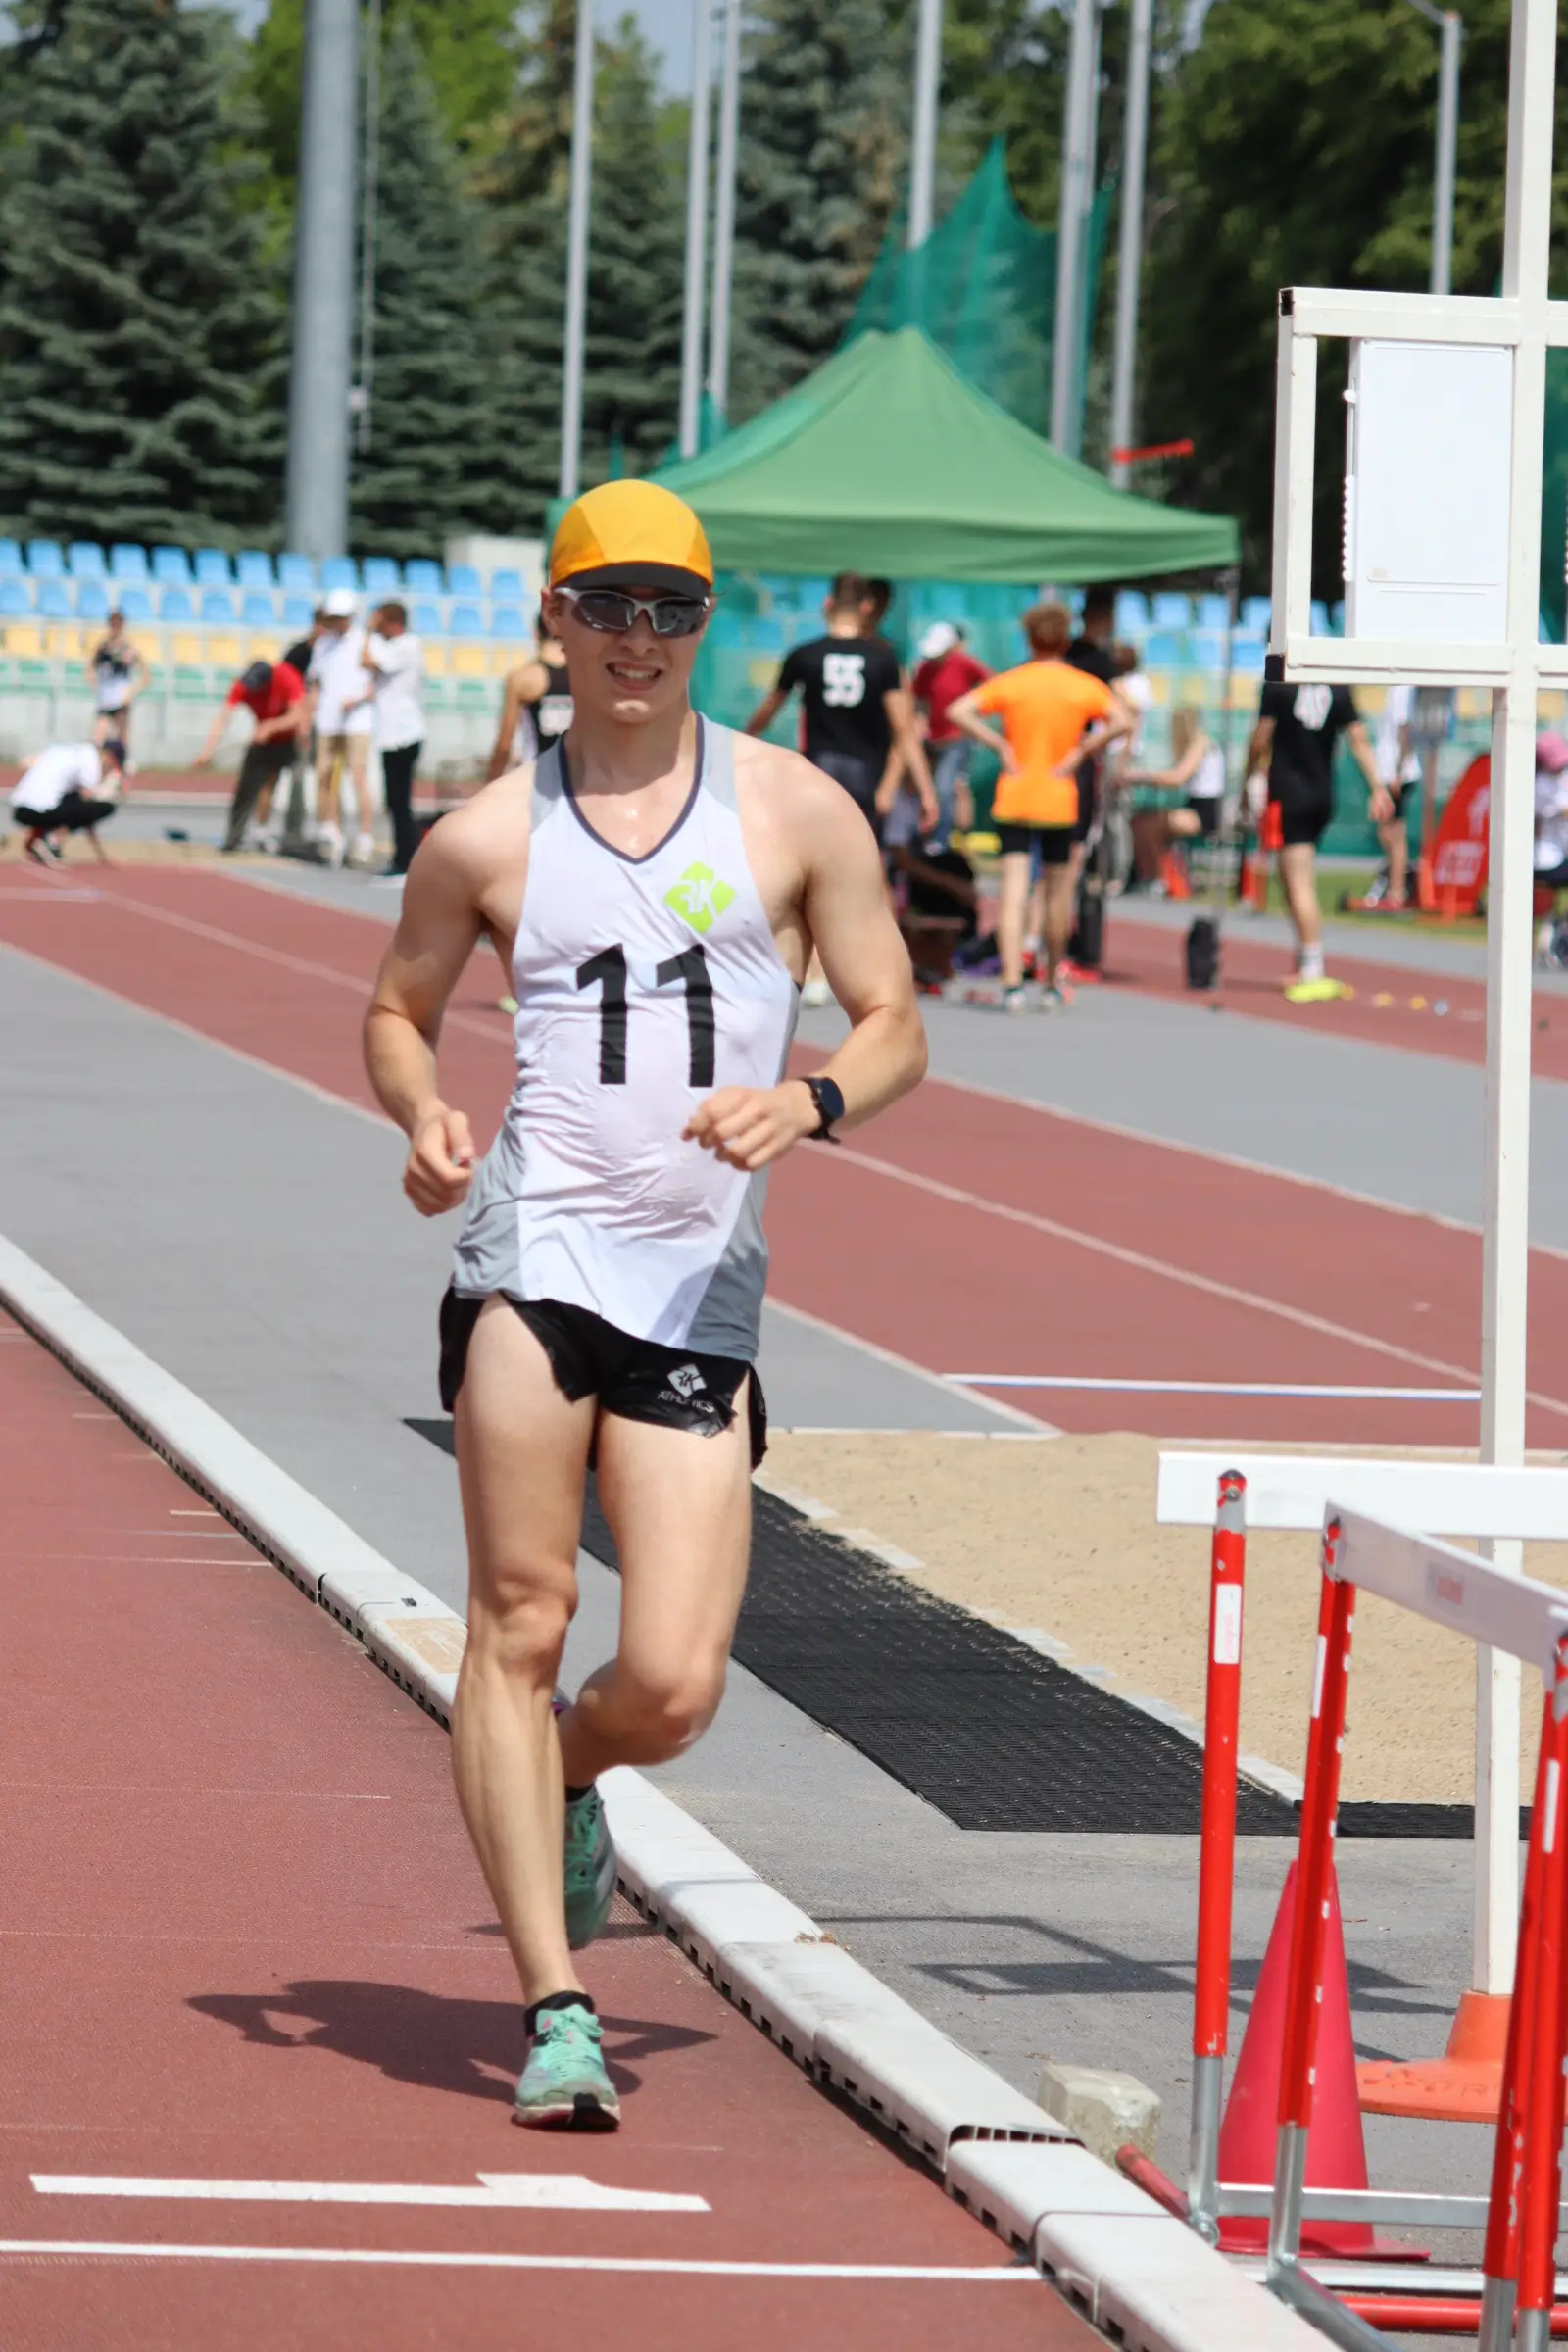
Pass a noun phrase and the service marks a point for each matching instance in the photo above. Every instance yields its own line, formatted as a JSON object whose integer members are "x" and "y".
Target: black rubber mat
{"x": 974, "y": 1721}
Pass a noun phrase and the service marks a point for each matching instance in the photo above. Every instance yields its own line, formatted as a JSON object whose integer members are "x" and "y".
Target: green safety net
{"x": 983, "y": 288}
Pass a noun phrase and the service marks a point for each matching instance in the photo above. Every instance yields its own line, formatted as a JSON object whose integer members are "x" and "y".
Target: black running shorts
{"x": 1305, "y": 806}
{"x": 1055, "y": 842}
{"x": 638, "y": 1380}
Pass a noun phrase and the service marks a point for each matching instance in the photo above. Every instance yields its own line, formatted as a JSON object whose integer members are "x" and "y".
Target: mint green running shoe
{"x": 590, "y": 1870}
{"x": 565, "y": 2084}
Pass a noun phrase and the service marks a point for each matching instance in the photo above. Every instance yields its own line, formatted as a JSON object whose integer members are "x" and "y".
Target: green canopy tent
{"x": 890, "y": 461}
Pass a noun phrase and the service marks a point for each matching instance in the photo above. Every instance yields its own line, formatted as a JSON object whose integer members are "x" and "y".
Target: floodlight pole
{"x": 691, "y": 350}
{"x": 582, "y": 145}
{"x": 320, "y": 371}
{"x": 729, "y": 116}
{"x": 1450, "y": 26}
{"x": 1072, "y": 217}
{"x": 923, "y": 146}
{"x": 1130, "y": 256}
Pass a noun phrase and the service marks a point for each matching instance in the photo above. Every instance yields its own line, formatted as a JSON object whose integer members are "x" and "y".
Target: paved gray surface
{"x": 250, "y": 1236}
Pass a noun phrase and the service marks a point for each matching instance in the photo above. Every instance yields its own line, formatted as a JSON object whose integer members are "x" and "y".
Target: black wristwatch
{"x": 829, "y": 1108}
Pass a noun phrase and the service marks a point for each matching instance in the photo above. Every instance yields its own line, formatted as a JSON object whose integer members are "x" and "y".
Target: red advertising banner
{"x": 1459, "y": 854}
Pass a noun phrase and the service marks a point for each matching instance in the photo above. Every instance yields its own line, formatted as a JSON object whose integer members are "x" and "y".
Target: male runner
{"x": 1298, "y": 728}
{"x": 653, "y": 886}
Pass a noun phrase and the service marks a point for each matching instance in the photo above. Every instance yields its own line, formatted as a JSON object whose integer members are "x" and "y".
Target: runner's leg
{"x": 523, "y": 1453}
{"x": 679, "y": 1506}
{"x": 1298, "y": 876}
{"x": 1013, "y": 898}
{"x": 1061, "y": 885}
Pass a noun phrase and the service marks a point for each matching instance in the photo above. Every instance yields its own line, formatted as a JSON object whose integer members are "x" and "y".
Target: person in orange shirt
{"x": 1052, "y": 716}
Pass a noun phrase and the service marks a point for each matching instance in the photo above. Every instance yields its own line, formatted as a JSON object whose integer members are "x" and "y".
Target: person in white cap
{"x": 342, "y": 691}
{"x": 945, "y": 670}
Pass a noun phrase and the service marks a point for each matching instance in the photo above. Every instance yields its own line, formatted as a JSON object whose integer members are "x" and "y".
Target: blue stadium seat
{"x": 256, "y": 611}
{"x": 171, "y": 568}
{"x": 213, "y": 568}
{"x": 218, "y": 608}
{"x": 425, "y": 620}
{"x": 508, "y": 584}
{"x": 421, "y": 577}
{"x": 1247, "y": 649}
{"x": 1205, "y": 649}
{"x": 175, "y": 604}
{"x": 1132, "y": 614}
{"x": 296, "y": 573}
{"x": 1214, "y": 611}
{"x": 1255, "y": 612}
{"x": 253, "y": 569}
{"x": 54, "y": 600}
{"x": 9, "y": 556}
{"x": 45, "y": 561}
{"x": 15, "y": 602}
{"x": 380, "y": 575}
{"x": 84, "y": 560}
{"x": 1171, "y": 612}
{"x": 128, "y": 562}
{"x": 1320, "y": 618}
{"x": 1165, "y": 649}
{"x": 340, "y": 572}
{"x": 92, "y": 601}
{"x": 134, "y": 602}
{"x": 464, "y": 581}
{"x": 466, "y": 621}
{"x": 505, "y": 621}
{"x": 298, "y": 611}
{"x": 1336, "y": 619}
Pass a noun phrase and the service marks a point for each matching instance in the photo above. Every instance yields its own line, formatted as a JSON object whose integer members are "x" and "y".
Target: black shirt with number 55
{"x": 1309, "y": 721}
{"x": 842, "y": 682}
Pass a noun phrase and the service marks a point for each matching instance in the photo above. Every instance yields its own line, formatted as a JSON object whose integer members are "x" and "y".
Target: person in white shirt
{"x": 68, "y": 788}
{"x": 1197, "y": 769}
{"x": 395, "y": 660}
{"x": 1552, "y": 843}
{"x": 1398, "y": 767}
{"x": 341, "y": 692}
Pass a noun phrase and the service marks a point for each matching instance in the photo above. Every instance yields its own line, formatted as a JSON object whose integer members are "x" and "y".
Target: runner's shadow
{"x": 471, "y": 2047}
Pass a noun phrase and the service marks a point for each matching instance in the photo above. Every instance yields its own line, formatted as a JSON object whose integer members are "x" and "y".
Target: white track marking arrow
{"x": 552, "y": 2192}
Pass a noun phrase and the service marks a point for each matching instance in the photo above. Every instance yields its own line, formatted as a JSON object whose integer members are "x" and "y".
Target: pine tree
{"x": 425, "y": 474}
{"x": 823, "y": 141}
{"x": 140, "y": 334}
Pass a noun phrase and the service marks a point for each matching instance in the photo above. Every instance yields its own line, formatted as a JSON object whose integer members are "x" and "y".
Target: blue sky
{"x": 668, "y": 25}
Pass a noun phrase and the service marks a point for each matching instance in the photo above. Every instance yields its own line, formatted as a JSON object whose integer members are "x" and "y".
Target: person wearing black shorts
{"x": 1299, "y": 728}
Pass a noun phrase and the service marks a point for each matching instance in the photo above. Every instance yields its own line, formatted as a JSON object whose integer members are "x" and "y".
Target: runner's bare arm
{"x": 847, "y": 916}
{"x": 438, "y": 932}
{"x": 907, "y": 755}
{"x": 963, "y": 713}
{"x": 1380, "y": 801}
{"x": 767, "y": 709}
{"x": 514, "y": 695}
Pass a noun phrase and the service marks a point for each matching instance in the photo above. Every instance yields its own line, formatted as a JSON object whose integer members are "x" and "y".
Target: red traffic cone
{"x": 1336, "y": 2153}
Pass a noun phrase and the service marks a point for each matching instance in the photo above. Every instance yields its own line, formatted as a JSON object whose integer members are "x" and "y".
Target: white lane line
{"x": 554, "y": 2192}
{"x": 904, "y": 1364}
{"x": 1205, "y": 1388}
{"x": 1143, "y": 1264}
{"x": 624, "y": 2264}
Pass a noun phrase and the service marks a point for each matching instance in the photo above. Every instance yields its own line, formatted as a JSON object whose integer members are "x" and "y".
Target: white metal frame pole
{"x": 691, "y": 350}
{"x": 729, "y": 116}
{"x": 1070, "y": 219}
{"x": 583, "y": 144}
{"x": 1450, "y": 28}
{"x": 1505, "y": 1233}
{"x": 923, "y": 145}
{"x": 1130, "y": 255}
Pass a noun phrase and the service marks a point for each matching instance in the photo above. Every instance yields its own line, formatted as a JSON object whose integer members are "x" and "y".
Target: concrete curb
{"x": 1112, "y": 2250}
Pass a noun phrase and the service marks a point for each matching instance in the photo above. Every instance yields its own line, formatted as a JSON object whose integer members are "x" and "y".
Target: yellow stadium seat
{"x": 24, "y": 641}
{"x": 65, "y": 644}
{"x": 225, "y": 653}
{"x": 435, "y": 660}
{"x": 149, "y": 647}
{"x": 505, "y": 658}
{"x": 468, "y": 661}
{"x": 189, "y": 653}
{"x": 262, "y": 649}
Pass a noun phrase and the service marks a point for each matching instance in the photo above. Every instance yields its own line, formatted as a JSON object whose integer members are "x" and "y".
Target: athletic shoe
{"x": 590, "y": 1870}
{"x": 1321, "y": 991}
{"x": 565, "y": 2082}
{"x": 1017, "y": 999}
{"x": 1078, "y": 975}
{"x": 1055, "y": 1000}
{"x": 816, "y": 993}
{"x": 329, "y": 840}
{"x": 42, "y": 852}
{"x": 365, "y": 850}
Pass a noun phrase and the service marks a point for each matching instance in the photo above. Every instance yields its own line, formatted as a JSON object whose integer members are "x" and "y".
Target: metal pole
{"x": 691, "y": 350}
{"x": 317, "y": 498}
{"x": 371, "y": 171}
{"x": 1450, "y": 26}
{"x": 729, "y": 115}
{"x": 923, "y": 147}
{"x": 583, "y": 142}
{"x": 1506, "y": 1237}
{"x": 1130, "y": 253}
{"x": 1070, "y": 219}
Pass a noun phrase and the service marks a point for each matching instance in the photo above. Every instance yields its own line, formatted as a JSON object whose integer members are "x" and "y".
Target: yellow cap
{"x": 634, "y": 535}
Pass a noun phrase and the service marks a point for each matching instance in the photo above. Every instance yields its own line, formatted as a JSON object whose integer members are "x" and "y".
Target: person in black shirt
{"x": 857, "y": 709}
{"x": 1298, "y": 730}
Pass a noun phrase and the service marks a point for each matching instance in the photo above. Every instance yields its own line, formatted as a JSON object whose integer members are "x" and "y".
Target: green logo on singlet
{"x": 699, "y": 897}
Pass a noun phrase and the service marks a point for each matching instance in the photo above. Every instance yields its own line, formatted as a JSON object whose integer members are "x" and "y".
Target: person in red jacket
{"x": 273, "y": 691}
{"x": 945, "y": 670}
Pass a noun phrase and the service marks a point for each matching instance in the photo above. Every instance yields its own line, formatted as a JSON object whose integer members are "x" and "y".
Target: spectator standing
{"x": 341, "y": 692}
{"x": 535, "y": 705}
{"x": 945, "y": 671}
{"x": 1398, "y": 767}
{"x": 1092, "y": 652}
{"x": 395, "y": 660}
{"x": 1298, "y": 729}
{"x": 117, "y": 673}
{"x": 68, "y": 788}
{"x": 859, "y": 722}
{"x": 1044, "y": 708}
{"x": 273, "y": 692}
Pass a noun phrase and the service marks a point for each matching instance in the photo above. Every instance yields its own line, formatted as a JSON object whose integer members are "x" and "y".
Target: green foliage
{"x": 424, "y": 476}
{"x": 138, "y": 327}
{"x": 824, "y": 124}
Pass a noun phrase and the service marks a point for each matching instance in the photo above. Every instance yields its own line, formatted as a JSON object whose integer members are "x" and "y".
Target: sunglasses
{"x": 614, "y": 612}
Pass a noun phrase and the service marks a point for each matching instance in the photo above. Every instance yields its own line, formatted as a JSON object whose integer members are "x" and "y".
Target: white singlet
{"x": 642, "y": 985}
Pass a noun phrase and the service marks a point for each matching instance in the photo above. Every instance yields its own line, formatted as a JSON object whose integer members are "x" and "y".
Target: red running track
{"x": 966, "y": 1230}
{"x": 244, "y": 1941}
